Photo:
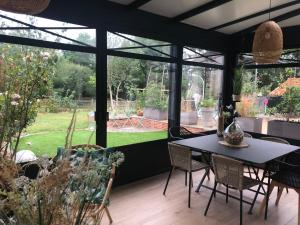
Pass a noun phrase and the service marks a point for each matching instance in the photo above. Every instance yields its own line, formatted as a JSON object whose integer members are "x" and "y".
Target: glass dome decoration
{"x": 233, "y": 134}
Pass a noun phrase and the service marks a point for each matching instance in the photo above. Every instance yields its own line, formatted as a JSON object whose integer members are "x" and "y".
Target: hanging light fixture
{"x": 31, "y": 7}
{"x": 268, "y": 42}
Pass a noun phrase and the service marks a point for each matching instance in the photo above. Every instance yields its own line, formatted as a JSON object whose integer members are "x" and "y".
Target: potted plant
{"x": 188, "y": 115}
{"x": 155, "y": 102}
{"x": 237, "y": 85}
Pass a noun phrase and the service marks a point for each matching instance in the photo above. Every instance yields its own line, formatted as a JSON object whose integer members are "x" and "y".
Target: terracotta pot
{"x": 140, "y": 113}
{"x": 236, "y": 98}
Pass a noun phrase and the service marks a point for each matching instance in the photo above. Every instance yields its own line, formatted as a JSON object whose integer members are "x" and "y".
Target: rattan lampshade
{"x": 24, "y": 6}
{"x": 267, "y": 43}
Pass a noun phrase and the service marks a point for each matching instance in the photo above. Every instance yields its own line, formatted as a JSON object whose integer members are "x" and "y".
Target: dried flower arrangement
{"x": 71, "y": 194}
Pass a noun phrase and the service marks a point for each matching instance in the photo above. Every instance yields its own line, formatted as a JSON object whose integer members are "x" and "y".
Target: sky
{"x": 41, "y": 22}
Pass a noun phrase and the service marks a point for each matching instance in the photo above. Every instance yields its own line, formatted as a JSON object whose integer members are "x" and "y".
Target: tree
{"x": 290, "y": 104}
{"x": 73, "y": 77}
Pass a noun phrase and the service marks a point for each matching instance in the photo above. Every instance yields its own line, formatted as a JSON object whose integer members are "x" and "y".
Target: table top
{"x": 259, "y": 151}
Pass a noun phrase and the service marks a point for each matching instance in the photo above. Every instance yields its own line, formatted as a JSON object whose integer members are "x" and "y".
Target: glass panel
{"x": 269, "y": 95}
{"x": 80, "y": 34}
{"x": 202, "y": 56}
{"x": 70, "y": 84}
{"x": 138, "y": 100}
{"x": 288, "y": 56}
{"x": 139, "y": 45}
{"x": 200, "y": 90}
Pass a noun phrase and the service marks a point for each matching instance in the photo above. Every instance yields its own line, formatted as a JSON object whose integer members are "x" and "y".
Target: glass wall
{"x": 67, "y": 84}
{"x": 137, "y": 90}
{"x": 271, "y": 96}
{"x": 200, "y": 90}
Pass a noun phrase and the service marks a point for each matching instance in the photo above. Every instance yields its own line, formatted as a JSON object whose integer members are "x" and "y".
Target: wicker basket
{"x": 24, "y": 6}
{"x": 267, "y": 43}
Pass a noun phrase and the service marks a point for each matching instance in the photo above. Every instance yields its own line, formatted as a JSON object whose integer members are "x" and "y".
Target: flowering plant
{"x": 24, "y": 79}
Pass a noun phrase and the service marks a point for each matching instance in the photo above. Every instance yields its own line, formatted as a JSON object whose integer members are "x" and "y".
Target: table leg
{"x": 267, "y": 196}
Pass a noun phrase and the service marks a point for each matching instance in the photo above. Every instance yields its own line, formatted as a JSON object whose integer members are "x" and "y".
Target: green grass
{"x": 49, "y": 131}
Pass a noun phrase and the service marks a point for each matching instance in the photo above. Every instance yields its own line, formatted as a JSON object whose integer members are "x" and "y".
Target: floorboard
{"x": 142, "y": 203}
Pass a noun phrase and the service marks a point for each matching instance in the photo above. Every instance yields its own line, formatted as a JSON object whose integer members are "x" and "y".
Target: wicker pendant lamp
{"x": 24, "y": 6}
{"x": 268, "y": 42}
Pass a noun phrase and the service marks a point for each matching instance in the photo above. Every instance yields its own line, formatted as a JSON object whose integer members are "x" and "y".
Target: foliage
{"x": 140, "y": 99}
{"x": 66, "y": 195}
{"x": 25, "y": 78}
{"x": 290, "y": 104}
{"x": 208, "y": 103}
{"x": 238, "y": 81}
{"x": 155, "y": 97}
{"x": 75, "y": 77}
{"x": 57, "y": 103}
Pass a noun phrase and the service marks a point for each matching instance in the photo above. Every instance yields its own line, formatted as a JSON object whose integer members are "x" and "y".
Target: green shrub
{"x": 155, "y": 97}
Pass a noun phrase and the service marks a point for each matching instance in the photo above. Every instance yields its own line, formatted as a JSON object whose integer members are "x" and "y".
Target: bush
{"x": 290, "y": 104}
{"x": 155, "y": 97}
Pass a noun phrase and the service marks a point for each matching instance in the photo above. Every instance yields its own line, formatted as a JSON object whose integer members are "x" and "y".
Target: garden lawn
{"x": 49, "y": 132}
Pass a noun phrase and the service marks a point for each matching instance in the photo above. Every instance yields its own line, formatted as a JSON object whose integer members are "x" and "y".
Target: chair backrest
{"x": 276, "y": 139}
{"x": 181, "y": 132}
{"x": 180, "y": 156}
{"x": 228, "y": 171}
{"x": 247, "y": 135}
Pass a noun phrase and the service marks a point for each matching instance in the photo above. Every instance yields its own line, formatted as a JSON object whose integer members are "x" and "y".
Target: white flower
{"x": 16, "y": 97}
{"x": 1, "y": 93}
{"x": 14, "y": 103}
{"x": 38, "y": 100}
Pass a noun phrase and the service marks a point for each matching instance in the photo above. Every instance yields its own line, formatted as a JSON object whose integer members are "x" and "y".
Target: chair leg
{"x": 241, "y": 207}
{"x": 226, "y": 193}
{"x": 264, "y": 202}
{"x": 254, "y": 200}
{"x": 192, "y": 180}
{"x": 298, "y": 208}
{"x": 185, "y": 178}
{"x": 168, "y": 180}
{"x": 202, "y": 180}
{"x": 108, "y": 214}
{"x": 280, "y": 190}
{"x": 212, "y": 193}
{"x": 208, "y": 174}
{"x": 190, "y": 187}
{"x": 249, "y": 171}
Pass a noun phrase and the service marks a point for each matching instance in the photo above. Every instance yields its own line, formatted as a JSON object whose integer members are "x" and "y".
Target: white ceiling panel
{"x": 290, "y": 22}
{"x": 171, "y": 8}
{"x": 248, "y": 23}
{"x": 231, "y": 11}
{"x": 123, "y": 2}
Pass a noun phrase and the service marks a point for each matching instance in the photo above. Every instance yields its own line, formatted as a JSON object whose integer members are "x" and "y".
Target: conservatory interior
{"x": 149, "y": 112}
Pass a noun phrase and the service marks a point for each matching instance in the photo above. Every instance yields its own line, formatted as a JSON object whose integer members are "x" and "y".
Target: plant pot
{"x": 189, "y": 118}
{"x": 207, "y": 116}
{"x": 155, "y": 114}
{"x": 140, "y": 113}
{"x": 284, "y": 129}
{"x": 236, "y": 98}
{"x": 250, "y": 124}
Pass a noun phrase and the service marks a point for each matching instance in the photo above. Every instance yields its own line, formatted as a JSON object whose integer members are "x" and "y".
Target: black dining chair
{"x": 181, "y": 158}
{"x": 287, "y": 176}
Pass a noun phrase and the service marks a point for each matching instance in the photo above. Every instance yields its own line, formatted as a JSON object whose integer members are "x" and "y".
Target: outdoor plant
{"x": 24, "y": 80}
{"x": 290, "y": 105}
{"x": 155, "y": 97}
{"x": 238, "y": 81}
{"x": 208, "y": 103}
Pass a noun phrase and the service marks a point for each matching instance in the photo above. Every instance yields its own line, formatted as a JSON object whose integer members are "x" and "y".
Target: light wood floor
{"x": 142, "y": 203}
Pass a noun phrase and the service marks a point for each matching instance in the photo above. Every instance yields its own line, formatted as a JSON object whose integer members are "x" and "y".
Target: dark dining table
{"x": 258, "y": 151}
